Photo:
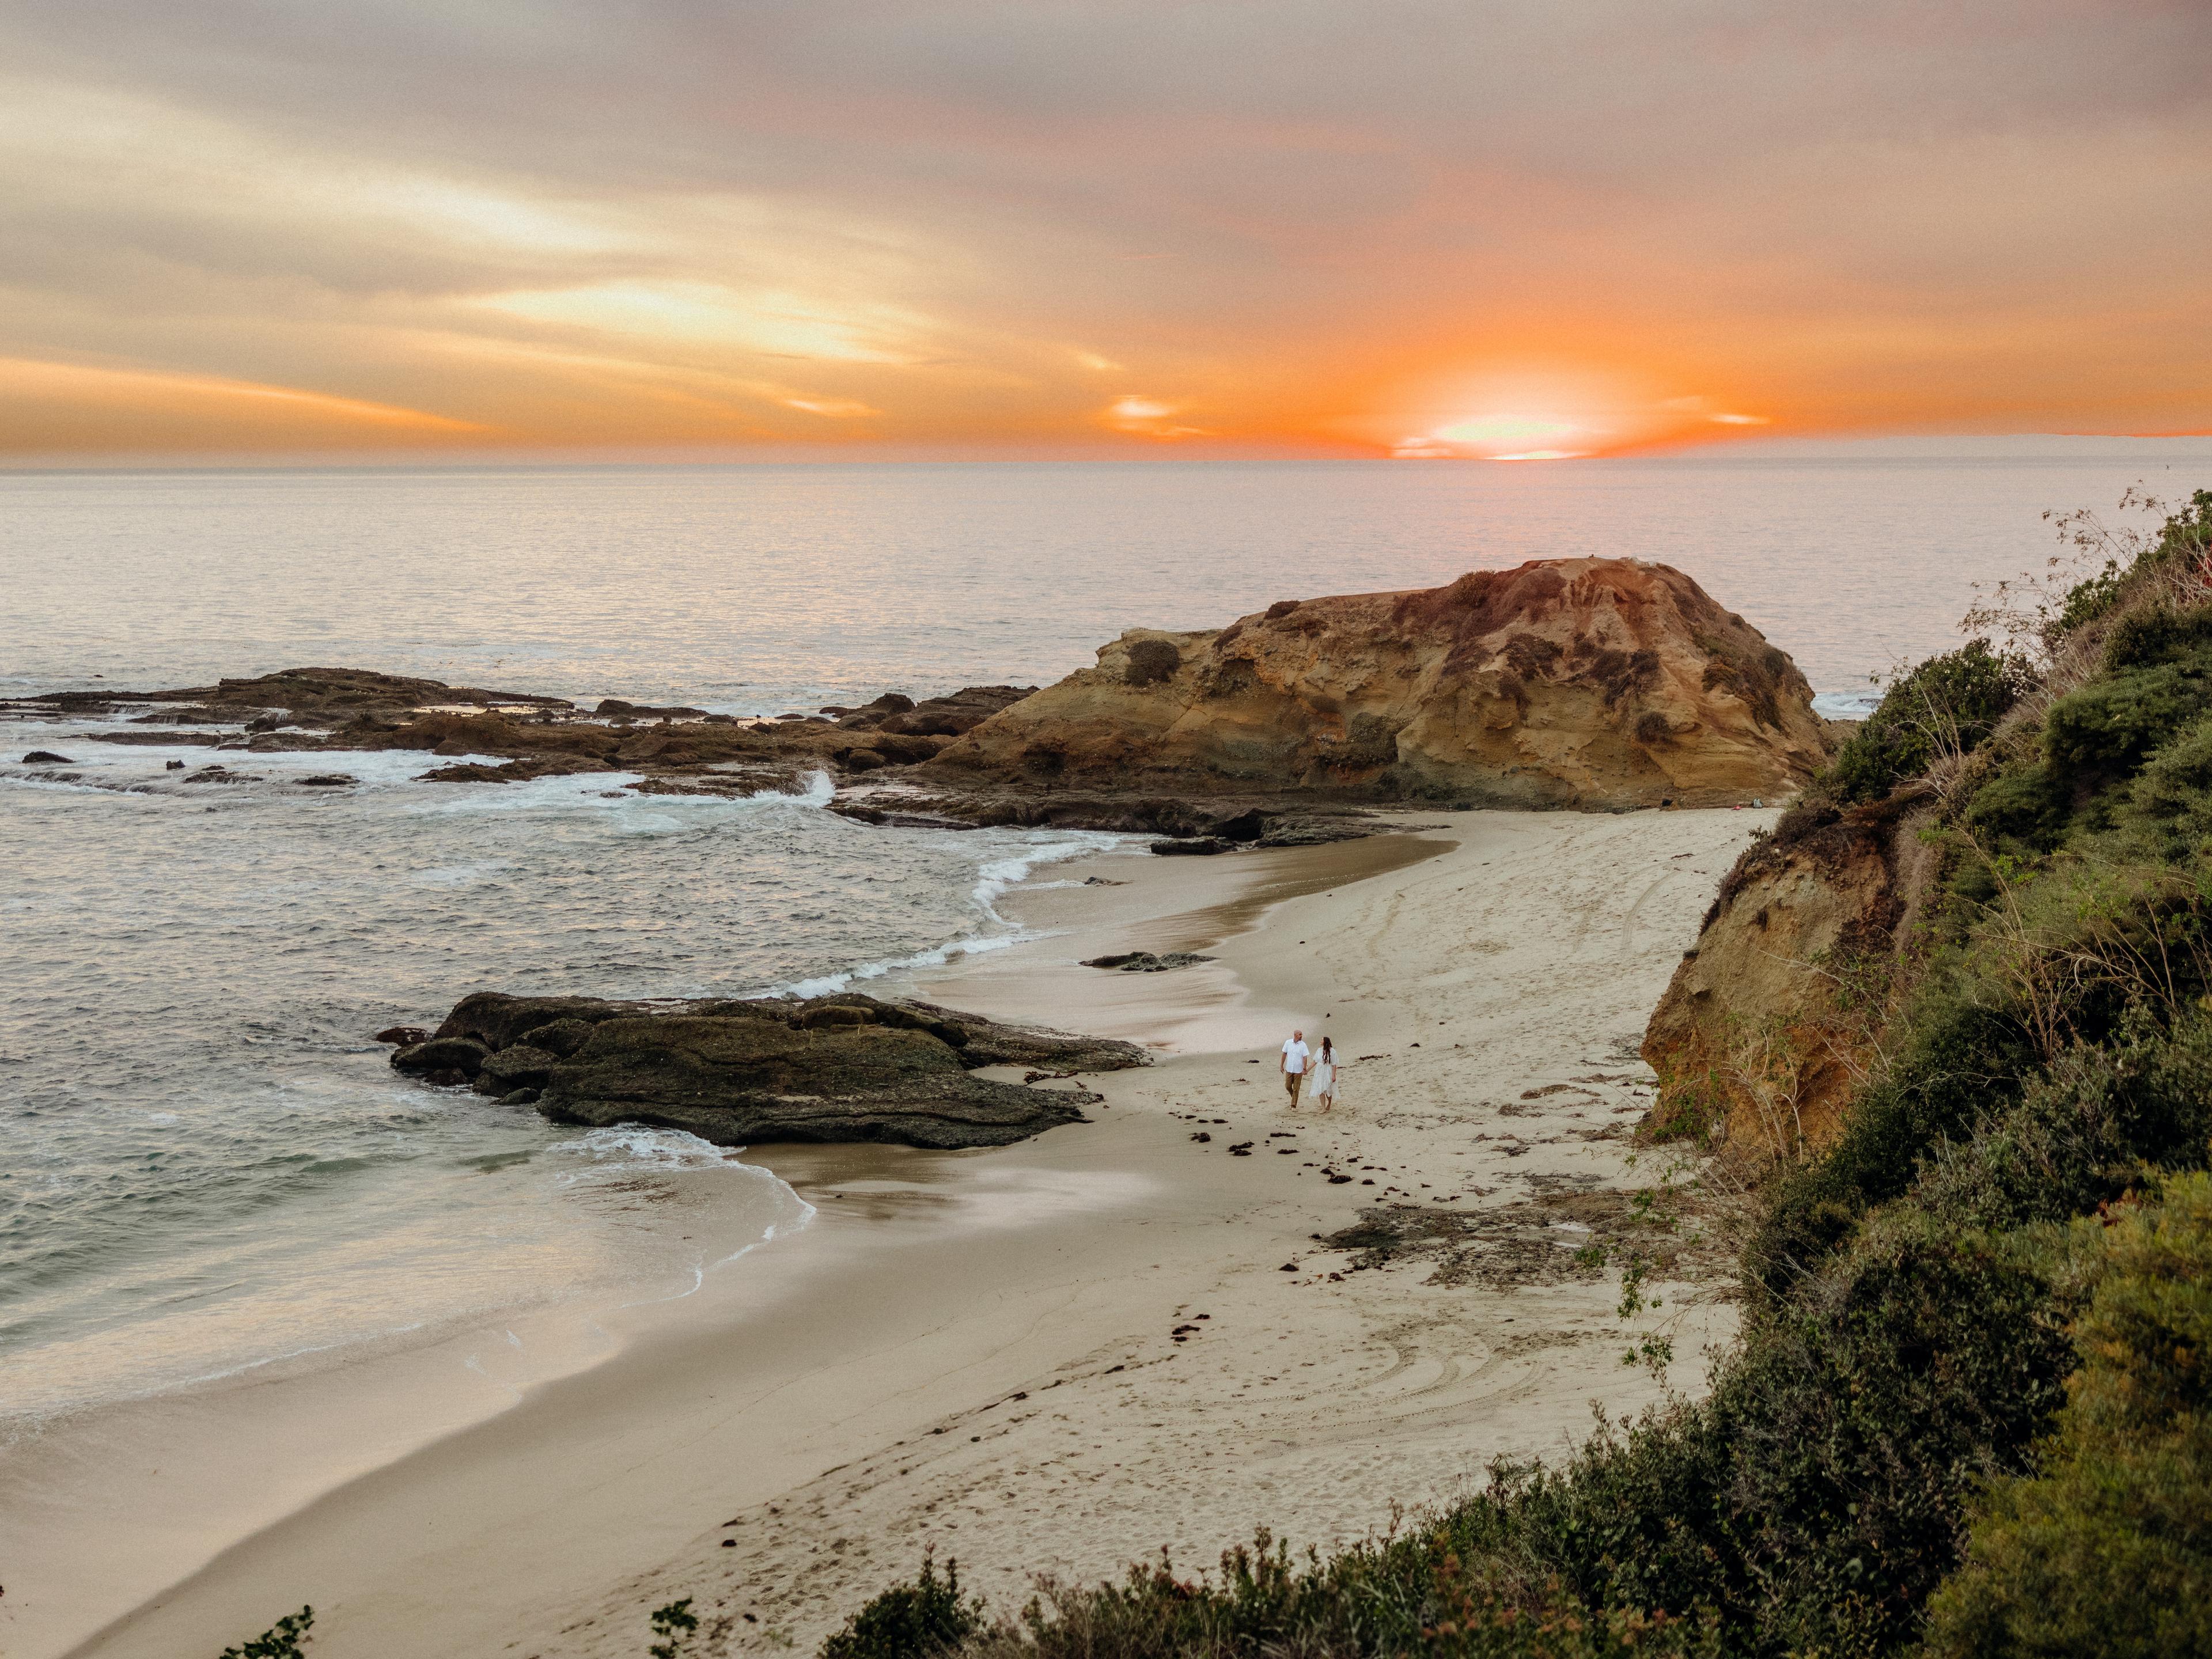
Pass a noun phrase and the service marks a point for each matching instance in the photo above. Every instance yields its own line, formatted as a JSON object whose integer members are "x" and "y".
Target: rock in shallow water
{"x": 441, "y": 1053}
{"x": 1144, "y": 962}
{"x": 521, "y": 1066}
{"x": 840, "y": 1068}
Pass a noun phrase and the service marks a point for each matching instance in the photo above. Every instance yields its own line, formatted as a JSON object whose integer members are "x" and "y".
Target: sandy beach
{"x": 1120, "y": 1337}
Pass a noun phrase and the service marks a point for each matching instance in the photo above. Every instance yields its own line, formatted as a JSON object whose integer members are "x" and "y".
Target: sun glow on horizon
{"x": 1535, "y": 412}
{"x": 1507, "y": 429}
{"x": 1503, "y": 438}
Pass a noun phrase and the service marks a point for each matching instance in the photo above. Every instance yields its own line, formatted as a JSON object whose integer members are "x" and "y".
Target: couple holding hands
{"x": 1300, "y": 1063}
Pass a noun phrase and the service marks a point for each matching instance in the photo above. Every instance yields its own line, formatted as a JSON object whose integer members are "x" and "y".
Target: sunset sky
{"x": 1142, "y": 226}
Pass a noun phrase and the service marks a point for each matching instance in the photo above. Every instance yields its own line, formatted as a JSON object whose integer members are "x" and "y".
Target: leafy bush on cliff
{"x": 2109, "y": 727}
{"x": 2108, "y": 1548}
{"x": 1816, "y": 1497}
{"x": 1948, "y": 705}
{"x": 287, "y": 1638}
{"x": 910, "y": 1621}
{"x": 1412, "y": 1596}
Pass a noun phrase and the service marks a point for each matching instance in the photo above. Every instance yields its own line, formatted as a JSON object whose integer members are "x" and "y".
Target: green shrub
{"x": 1406, "y": 1594}
{"x": 1960, "y": 1060}
{"x": 2184, "y": 539}
{"x": 910, "y": 1621}
{"x": 2086, "y": 602}
{"x": 2108, "y": 727}
{"x": 2156, "y": 634}
{"x": 675, "y": 1625}
{"x": 2089, "y": 1132}
{"x": 2170, "y": 803}
{"x": 2186, "y": 536}
{"x": 285, "y": 1639}
{"x": 2108, "y": 1549}
{"x": 1821, "y": 1491}
{"x": 1949, "y": 703}
{"x": 2025, "y": 807}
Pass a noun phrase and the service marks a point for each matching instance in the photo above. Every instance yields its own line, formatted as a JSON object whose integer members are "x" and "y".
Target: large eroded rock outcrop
{"x": 1776, "y": 1014}
{"x": 837, "y": 1068}
{"x": 1589, "y": 682}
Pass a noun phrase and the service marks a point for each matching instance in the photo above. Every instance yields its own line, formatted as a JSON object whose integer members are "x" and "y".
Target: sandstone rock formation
{"x": 838, "y": 1068}
{"x": 1772, "y": 1019}
{"x": 1588, "y": 682}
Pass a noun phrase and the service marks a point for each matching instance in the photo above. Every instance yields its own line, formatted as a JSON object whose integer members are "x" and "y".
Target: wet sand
{"x": 979, "y": 1352}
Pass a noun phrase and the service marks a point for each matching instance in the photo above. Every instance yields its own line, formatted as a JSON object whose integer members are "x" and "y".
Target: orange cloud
{"x": 68, "y": 405}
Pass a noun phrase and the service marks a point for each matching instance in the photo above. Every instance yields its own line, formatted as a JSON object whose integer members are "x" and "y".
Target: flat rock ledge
{"x": 836, "y": 1068}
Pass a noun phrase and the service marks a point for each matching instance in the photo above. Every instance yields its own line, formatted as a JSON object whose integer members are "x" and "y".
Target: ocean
{"x": 205, "y": 1163}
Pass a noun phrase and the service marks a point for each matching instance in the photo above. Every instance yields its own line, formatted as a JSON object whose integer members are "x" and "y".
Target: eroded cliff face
{"x": 1588, "y": 682}
{"x": 1772, "y": 1018}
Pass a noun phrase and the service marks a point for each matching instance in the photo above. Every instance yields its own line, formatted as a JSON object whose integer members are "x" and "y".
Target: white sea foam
{"x": 628, "y": 1150}
{"x": 1847, "y": 705}
{"x": 992, "y": 881}
{"x": 638, "y": 1146}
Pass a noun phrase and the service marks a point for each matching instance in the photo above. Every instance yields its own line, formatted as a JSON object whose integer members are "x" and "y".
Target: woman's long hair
{"x": 1328, "y": 1051}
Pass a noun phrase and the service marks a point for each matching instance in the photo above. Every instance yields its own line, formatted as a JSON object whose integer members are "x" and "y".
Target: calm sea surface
{"x": 205, "y": 1163}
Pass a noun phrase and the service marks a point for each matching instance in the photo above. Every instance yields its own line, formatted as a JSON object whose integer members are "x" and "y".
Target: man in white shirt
{"x": 1294, "y": 1066}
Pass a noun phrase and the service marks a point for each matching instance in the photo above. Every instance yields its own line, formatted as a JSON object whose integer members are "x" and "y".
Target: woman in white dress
{"x": 1325, "y": 1072}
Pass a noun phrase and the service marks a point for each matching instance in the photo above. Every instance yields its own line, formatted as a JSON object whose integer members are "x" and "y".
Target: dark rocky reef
{"x": 875, "y": 752}
{"x": 312, "y": 697}
{"x": 837, "y": 1068}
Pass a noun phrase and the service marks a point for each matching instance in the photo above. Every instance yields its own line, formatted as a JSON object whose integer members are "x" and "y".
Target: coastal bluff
{"x": 1600, "y": 684}
{"x": 1773, "y": 1017}
{"x": 737, "y": 1072}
